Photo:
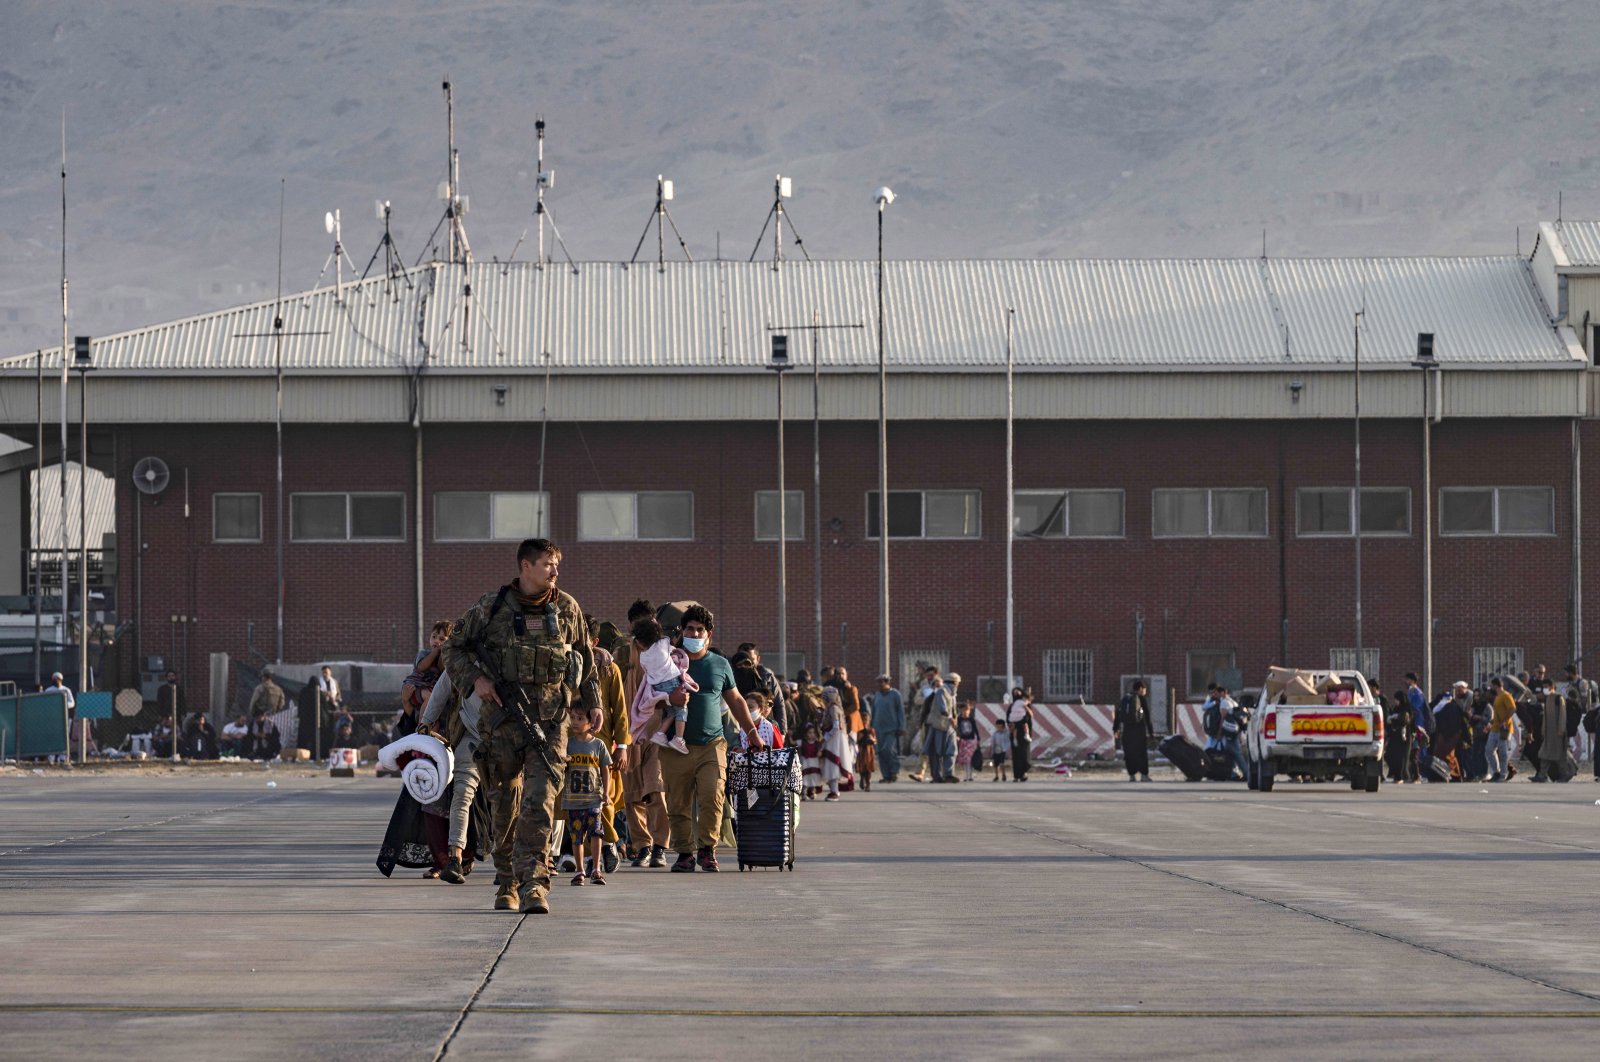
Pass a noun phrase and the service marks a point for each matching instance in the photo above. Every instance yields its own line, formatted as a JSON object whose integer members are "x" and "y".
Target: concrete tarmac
{"x": 202, "y": 915}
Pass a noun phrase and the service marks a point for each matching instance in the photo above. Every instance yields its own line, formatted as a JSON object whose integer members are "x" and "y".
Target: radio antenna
{"x": 659, "y": 217}
{"x": 332, "y": 224}
{"x": 545, "y": 181}
{"x": 393, "y": 267}
{"x": 782, "y": 189}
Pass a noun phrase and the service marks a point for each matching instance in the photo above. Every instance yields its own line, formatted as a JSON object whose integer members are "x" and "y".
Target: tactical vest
{"x": 534, "y": 653}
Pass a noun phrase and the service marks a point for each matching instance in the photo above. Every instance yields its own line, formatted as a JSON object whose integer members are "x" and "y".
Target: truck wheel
{"x": 1252, "y": 775}
{"x": 1265, "y": 775}
{"x": 1374, "y": 777}
{"x": 1358, "y": 779}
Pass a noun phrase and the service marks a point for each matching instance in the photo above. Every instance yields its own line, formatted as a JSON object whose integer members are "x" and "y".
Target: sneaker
{"x": 684, "y": 865}
{"x": 677, "y": 744}
{"x": 610, "y": 858}
{"x": 505, "y": 897}
{"x": 708, "y": 860}
{"x": 659, "y": 738}
{"x": 658, "y": 857}
{"x": 534, "y": 901}
{"x": 568, "y": 864}
{"x": 639, "y": 857}
{"x": 453, "y": 873}
{"x": 831, "y": 797}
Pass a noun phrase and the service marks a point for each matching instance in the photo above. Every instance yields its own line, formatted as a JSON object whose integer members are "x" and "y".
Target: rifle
{"x": 513, "y": 701}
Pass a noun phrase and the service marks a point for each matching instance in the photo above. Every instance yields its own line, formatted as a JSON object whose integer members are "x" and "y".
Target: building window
{"x": 484, "y": 516}
{"x": 347, "y": 517}
{"x": 794, "y": 516}
{"x": 1345, "y": 660}
{"x": 1497, "y": 511}
{"x": 646, "y": 516}
{"x": 927, "y": 514}
{"x": 1491, "y": 660}
{"x": 236, "y": 518}
{"x": 1211, "y": 665}
{"x": 1326, "y": 511}
{"x": 1213, "y": 513}
{"x": 1068, "y": 674}
{"x": 1068, "y": 514}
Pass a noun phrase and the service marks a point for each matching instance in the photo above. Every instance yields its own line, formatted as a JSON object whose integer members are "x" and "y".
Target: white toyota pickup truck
{"x": 1319, "y": 724}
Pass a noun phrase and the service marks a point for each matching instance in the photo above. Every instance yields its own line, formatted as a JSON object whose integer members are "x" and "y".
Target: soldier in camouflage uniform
{"x": 536, "y": 637}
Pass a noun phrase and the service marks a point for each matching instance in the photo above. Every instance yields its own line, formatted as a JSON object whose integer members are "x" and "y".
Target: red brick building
{"x": 1184, "y": 461}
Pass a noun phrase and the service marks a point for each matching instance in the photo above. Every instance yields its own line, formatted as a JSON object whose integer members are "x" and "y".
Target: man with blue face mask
{"x": 701, "y": 773}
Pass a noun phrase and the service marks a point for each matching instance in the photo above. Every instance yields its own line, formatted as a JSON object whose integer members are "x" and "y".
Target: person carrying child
{"x": 664, "y": 669}
{"x": 583, "y": 792}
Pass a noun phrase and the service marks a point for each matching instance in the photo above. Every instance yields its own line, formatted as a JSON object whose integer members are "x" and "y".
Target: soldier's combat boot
{"x": 452, "y": 871}
{"x": 505, "y": 897}
{"x": 534, "y": 900}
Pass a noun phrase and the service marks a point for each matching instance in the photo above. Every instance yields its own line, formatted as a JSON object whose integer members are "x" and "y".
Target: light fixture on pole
{"x": 82, "y": 362}
{"x": 883, "y": 198}
{"x": 1429, "y": 365}
{"x": 778, "y": 366}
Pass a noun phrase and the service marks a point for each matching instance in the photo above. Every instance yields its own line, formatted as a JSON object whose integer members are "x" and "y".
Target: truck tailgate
{"x": 1332, "y": 725}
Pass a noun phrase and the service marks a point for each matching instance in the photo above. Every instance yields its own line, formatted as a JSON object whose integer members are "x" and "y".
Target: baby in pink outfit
{"x": 664, "y": 669}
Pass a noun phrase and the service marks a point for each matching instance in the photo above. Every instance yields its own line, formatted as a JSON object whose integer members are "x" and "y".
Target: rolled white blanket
{"x": 427, "y": 771}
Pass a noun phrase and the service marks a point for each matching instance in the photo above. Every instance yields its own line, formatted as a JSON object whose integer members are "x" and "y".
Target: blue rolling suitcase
{"x": 763, "y": 787}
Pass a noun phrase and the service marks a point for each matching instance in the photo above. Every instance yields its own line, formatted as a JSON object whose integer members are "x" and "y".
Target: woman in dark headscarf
{"x": 1019, "y": 719}
{"x": 1132, "y": 726}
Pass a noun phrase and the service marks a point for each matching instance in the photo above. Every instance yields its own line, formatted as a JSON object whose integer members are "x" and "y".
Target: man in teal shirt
{"x": 701, "y": 773}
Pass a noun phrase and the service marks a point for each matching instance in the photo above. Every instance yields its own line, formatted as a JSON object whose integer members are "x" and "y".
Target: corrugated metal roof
{"x": 949, "y": 315}
{"x": 101, "y": 505}
{"x": 1581, "y": 242}
{"x": 1480, "y": 310}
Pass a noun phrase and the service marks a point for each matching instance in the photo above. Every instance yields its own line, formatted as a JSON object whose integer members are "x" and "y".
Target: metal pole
{"x": 66, "y": 587}
{"x": 34, "y": 554}
{"x": 1010, "y": 532}
{"x": 883, "y": 472}
{"x": 83, "y": 535}
{"x": 816, "y": 481}
{"x": 1356, "y": 499}
{"x": 277, "y": 418}
{"x": 783, "y": 534}
{"x": 1427, "y": 543}
{"x": 1576, "y": 507}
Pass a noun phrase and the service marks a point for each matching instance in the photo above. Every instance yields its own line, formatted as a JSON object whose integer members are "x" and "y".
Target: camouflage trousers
{"x": 508, "y": 756}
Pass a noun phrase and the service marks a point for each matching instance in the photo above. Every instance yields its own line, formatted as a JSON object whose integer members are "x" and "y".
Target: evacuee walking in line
{"x": 1133, "y": 727}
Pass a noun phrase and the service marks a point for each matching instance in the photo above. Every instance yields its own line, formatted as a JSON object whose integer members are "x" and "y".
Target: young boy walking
{"x": 1000, "y": 749}
{"x": 583, "y": 793}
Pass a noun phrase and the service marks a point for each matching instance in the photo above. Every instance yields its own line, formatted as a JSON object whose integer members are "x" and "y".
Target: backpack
{"x": 1211, "y": 720}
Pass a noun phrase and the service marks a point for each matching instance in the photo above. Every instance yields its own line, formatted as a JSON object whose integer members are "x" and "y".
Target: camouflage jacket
{"x": 517, "y": 639}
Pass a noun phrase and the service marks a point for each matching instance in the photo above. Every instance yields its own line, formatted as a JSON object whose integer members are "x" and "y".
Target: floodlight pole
{"x": 66, "y": 585}
{"x": 1356, "y": 498}
{"x": 883, "y": 199}
{"x": 778, "y": 368}
{"x": 1010, "y": 532}
{"x": 83, "y": 535}
{"x": 1428, "y": 363}
{"x": 38, "y": 524}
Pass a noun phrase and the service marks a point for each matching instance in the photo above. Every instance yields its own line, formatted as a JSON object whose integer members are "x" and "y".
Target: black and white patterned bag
{"x": 764, "y": 769}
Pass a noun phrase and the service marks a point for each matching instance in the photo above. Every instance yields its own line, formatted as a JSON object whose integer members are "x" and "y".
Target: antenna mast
{"x": 538, "y": 209}
{"x": 661, "y": 217}
{"x": 782, "y": 188}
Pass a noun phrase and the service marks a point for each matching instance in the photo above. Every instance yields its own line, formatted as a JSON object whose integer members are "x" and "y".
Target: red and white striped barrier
{"x": 1081, "y": 730}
